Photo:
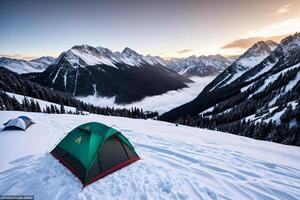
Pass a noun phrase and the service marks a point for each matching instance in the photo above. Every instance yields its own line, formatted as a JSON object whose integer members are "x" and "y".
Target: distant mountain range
{"x": 199, "y": 66}
{"x": 191, "y": 66}
{"x": 25, "y": 66}
{"x": 84, "y": 70}
{"x": 257, "y": 95}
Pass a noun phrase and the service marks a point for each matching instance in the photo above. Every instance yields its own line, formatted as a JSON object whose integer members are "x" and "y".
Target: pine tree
{"x": 52, "y": 109}
{"x": 38, "y": 108}
{"x": 62, "y": 108}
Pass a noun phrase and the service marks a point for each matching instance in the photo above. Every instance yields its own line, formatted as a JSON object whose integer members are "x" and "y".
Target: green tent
{"x": 94, "y": 150}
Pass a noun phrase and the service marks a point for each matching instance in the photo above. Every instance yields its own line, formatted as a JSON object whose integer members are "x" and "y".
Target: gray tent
{"x": 20, "y": 123}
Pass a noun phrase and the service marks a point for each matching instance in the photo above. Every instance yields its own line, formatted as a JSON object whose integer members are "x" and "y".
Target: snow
{"x": 269, "y": 80}
{"x": 21, "y": 67}
{"x": 290, "y": 85}
{"x": 100, "y": 55}
{"x": 227, "y": 76}
{"x": 43, "y": 104}
{"x": 178, "y": 162}
{"x": 293, "y": 123}
{"x": 293, "y": 82}
{"x": 75, "y": 82}
{"x": 243, "y": 89}
{"x": 246, "y": 63}
{"x": 91, "y": 59}
{"x": 65, "y": 79}
{"x": 251, "y": 58}
{"x": 291, "y": 43}
{"x": 252, "y": 61}
{"x": 160, "y": 103}
{"x": 198, "y": 64}
{"x": 234, "y": 77}
{"x": 208, "y": 110}
{"x": 275, "y": 117}
{"x": 265, "y": 69}
{"x": 24, "y": 66}
{"x": 53, "y": 81}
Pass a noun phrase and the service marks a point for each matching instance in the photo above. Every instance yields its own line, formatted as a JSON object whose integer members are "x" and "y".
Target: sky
{"x": 167, "y": 28}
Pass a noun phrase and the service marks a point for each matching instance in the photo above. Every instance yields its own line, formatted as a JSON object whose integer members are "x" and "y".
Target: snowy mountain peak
{"x": 258, "y": 49}
{"x": 273, "y": 45}
{"x": 129, "y": 52}
{"x": 85, "y": 49}
{"x": 291, "y": 38}
{"x": 104, "y": 51}
{"x": 254, "y": 55}
{"x": 85, "y": 55}
{"x": 291, "y": 42}
{"x": 82, "y": 47}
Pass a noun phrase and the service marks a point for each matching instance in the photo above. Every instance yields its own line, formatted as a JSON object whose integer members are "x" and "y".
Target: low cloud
{"x": 19, "y": 56}
{"x": 245, "y": 43}
{"x": 282, "y": 10}
{"x": 185, "y": 51}
{"x": 160, "y": 103}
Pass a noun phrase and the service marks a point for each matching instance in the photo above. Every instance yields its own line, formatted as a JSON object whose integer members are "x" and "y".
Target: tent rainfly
{"x": 93, "y": 150}
{"x": 20, "y": 123}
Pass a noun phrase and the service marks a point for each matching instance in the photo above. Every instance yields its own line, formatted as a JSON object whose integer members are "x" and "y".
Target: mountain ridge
{"x": 265, "y": 97}
{"x": 26, "y": 66}
{"x": 84, "y": 70}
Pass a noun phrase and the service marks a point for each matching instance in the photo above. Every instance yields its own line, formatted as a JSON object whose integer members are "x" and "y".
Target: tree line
{"x": 31, "y": 105}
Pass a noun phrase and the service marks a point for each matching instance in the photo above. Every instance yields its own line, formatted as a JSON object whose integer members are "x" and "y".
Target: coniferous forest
{"x": 12, "y": 82}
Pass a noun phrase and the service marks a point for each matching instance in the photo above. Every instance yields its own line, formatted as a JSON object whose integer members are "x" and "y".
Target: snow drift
{"x": 178, "y": 162}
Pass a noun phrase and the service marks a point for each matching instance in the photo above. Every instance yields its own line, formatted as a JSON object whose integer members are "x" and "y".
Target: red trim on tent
{"x": 111, "y": 170}
{"x": 102, "y": 174}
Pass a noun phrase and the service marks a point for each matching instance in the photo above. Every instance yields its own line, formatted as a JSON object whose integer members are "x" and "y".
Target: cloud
{"x": 176, "y": 54}
{"x": 282, "y": 10}
{"x": 275, "y": 32}
{"x": 185, "y": 51}
{"x": 281, "y": 28}
{"x": 248, "y": 42}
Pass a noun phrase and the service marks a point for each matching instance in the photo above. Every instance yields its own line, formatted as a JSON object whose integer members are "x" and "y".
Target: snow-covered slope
{"x": 260, "y": 101}
{"x": 199, "y": 66}
{"x": 253, "y": 56}
{"x": 43, "y": 104}
{"x": 178, "y": 162}
{"x": 24, "y": 66}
